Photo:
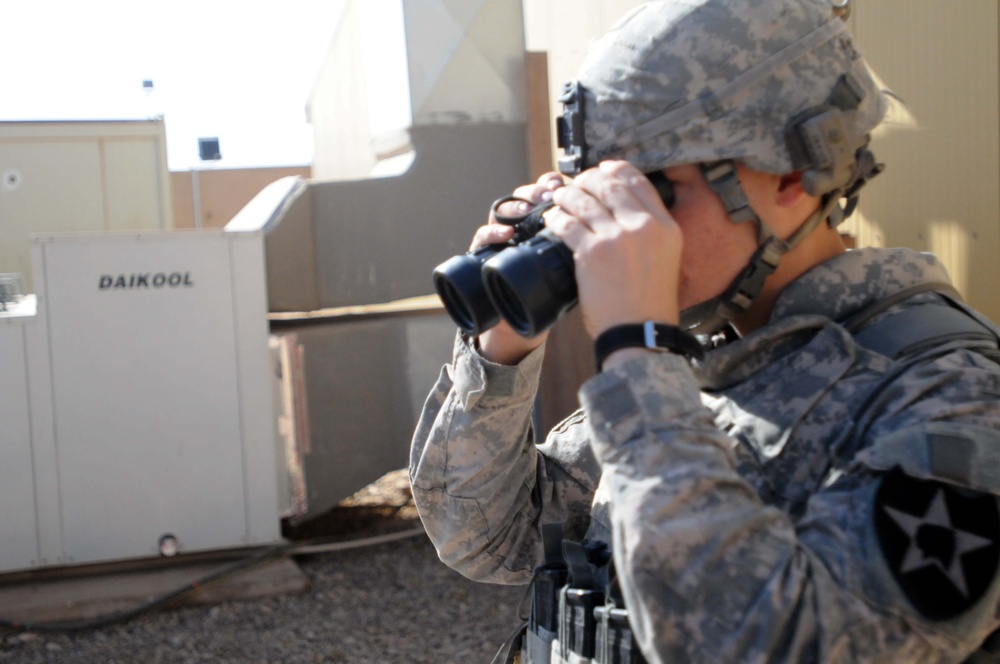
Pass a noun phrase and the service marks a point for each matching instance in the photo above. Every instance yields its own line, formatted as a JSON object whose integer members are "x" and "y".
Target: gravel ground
{"x": 389, "y": 603}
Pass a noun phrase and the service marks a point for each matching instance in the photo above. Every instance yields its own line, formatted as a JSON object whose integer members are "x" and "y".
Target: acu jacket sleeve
{"x": 712, "y": 574}
{"x": 481, "y": 485}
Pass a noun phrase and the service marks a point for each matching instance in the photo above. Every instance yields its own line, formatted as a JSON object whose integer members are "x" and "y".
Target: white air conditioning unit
{"x": 140, "y": 401}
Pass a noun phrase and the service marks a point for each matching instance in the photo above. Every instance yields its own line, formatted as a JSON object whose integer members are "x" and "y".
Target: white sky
{"x": 241, "y": 71}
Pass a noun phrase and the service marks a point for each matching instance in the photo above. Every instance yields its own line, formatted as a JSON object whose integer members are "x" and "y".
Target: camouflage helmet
{"x": 775, "y": 84}
{"x": 694, "y": 81}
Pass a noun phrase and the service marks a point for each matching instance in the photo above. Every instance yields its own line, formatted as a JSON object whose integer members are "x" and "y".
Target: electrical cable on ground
{"x": 242, "y": 565}
{"x": 326, "y": 547}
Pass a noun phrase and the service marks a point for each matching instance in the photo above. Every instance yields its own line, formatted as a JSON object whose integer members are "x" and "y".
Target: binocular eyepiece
{"x": 529, "y": 281}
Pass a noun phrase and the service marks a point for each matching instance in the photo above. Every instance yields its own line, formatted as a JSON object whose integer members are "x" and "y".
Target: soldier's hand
{"x": 502, "y": 344}
{"x": 626, "y": 246}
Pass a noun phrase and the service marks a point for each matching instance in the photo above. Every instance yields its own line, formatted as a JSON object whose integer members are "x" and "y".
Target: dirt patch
{"x": 384, "y": 506}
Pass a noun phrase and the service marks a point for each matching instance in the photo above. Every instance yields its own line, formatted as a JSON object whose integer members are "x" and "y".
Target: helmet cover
{"x": 692, "y": 81}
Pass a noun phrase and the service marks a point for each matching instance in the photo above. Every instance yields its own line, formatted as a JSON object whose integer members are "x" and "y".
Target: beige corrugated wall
{"x": 941, "y": 191}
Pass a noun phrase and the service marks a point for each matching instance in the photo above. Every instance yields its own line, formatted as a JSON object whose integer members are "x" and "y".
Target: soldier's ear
{"x": 789, "y": 192}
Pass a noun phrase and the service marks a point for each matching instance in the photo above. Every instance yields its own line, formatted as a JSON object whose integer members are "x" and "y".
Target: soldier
{"x": 821, "y": 484}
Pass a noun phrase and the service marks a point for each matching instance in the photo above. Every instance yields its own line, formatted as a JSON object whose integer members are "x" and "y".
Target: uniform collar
{"x": 844, "y": 284}
{"x": 829, "y": 292}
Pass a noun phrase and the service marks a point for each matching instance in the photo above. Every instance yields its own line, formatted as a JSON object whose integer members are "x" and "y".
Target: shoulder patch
{"x": 942, "y": 543}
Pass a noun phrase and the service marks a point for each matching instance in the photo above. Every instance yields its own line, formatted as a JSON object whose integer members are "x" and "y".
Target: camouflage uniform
{"x": 745, "y": 525}
{"x": 750, "y": 519}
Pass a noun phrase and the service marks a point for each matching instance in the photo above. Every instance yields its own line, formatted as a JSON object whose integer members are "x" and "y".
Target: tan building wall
{"x": 222, "y": 193}
{"x": 940, "y": 191}
{"x": 79, "y": 176}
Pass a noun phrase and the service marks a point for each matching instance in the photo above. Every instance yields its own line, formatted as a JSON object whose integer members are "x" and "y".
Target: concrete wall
{"x": 366, "y": 377}
{"x": 79, "y": 176}
{"x": 460, "y": 143}
{"x": 369, "y": 229}
{"x": 357, "y": 242}
{"x": 222, "y": 192}
{"x": 463, "y": 62}
{"x": 338, "y": 107}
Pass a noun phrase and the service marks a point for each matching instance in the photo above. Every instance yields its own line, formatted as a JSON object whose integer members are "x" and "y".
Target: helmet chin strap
{"x": 711, "y": 315}
{"x": 822, "y": 144}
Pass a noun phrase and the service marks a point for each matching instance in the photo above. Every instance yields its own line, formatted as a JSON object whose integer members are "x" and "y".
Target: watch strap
{"x": 654, "y": 336}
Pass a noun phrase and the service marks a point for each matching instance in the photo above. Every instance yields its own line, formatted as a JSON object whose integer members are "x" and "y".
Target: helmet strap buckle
{"x": 725, "y": 182}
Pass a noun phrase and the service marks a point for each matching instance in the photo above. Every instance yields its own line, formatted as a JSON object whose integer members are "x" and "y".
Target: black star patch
{"x": 942, "y": 543}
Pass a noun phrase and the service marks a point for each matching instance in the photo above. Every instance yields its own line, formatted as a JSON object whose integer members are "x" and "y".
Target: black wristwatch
{"x": 654, "y": 336}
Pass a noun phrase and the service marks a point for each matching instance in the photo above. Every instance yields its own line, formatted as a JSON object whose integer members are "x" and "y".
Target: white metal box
{"x": 149, "y": 399}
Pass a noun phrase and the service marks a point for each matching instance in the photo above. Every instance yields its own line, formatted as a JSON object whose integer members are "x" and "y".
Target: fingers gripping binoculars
{"x": 528, "y": 281}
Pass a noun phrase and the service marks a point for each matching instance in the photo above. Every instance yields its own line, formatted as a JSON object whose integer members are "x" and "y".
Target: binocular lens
{"x": 532, "y": 284}
{"x": 506, "y": 299}
{"x": 459, "y": 283}
{"x": 456, "y": 308}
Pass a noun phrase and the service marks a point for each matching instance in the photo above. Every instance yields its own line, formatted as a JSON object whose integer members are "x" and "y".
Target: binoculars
{"x": 528, "y": 281}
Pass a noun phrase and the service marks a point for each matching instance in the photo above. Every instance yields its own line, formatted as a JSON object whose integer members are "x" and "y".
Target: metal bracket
{"x": 569, "y": 130}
